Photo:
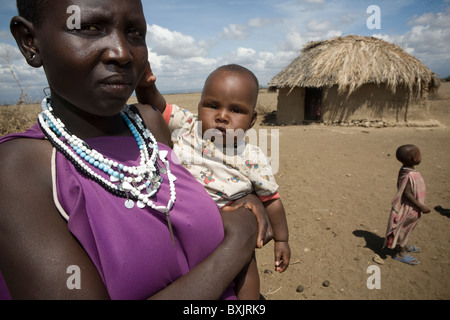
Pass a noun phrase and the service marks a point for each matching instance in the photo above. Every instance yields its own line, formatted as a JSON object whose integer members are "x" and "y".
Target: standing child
{"x": 407, "y": 205}
{"x": 224, "y": 163}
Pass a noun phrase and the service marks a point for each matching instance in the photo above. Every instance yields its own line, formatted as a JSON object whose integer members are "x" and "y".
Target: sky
{"x": 189, "y": 39}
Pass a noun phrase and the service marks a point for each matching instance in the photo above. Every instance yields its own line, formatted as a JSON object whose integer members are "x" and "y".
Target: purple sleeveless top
{"x": 132, "y": 248}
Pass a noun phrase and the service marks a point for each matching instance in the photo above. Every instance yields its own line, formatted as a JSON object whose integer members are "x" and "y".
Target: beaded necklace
{"x": 137, "y": 184}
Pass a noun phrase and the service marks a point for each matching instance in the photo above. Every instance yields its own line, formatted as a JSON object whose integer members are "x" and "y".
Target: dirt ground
{"x": 336, "y": 184}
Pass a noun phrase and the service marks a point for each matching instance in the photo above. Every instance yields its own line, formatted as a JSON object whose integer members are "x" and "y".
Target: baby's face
{"x": 227, "y": 104}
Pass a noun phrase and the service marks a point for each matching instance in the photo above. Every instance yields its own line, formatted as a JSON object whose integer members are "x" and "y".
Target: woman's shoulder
{"x": 24, "y": 147}
{"x": 155, "y": 123}
{"x": 26, "y": 183}
{"x": 25, "y": 160}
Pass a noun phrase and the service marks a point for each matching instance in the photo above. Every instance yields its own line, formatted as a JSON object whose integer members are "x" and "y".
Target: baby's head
{"x": 237, "y": 71}
{"x": 409, "y": 155}
{"x": 229, "y": 99}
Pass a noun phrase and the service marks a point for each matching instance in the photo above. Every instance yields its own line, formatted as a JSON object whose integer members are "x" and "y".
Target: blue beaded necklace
{"x": 137, "y": 184}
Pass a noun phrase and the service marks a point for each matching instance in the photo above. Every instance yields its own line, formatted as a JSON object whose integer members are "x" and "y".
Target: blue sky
{"x": 189, "y": 39}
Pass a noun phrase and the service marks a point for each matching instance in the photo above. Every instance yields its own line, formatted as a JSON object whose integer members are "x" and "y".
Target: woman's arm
{"x": 243, "y": 222}
{"x": 36, "y": 247}
{"x": 212, "y": 277}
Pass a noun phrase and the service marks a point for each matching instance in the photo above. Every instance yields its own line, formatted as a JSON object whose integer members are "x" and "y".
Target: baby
{"x": 407, "y": 205}
{"x": 211, "y": 145}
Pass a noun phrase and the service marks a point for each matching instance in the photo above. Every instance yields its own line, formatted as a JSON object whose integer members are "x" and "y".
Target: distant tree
{"x": 24, "y": 96}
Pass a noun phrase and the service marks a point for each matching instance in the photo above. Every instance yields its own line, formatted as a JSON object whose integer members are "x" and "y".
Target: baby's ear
{"x": 24, "y": 33}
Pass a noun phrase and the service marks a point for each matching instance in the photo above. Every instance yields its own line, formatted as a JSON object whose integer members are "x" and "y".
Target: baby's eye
{"x": 236, "y": 110}
{"x": 212, "y": 106}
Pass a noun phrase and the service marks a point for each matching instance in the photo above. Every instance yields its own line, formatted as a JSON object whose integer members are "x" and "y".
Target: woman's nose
{"x": 118, "y": 50}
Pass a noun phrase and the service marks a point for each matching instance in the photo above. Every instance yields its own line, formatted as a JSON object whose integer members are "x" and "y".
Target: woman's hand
{"x": 252, "y": 203}
{"x": 210, "y": 278}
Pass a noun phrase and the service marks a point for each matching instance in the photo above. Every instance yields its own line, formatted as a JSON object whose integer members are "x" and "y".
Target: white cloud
{"x": 242, "y": 31}
{"x": 10, "y": 54}
{"x": 5, "y": 35}
{"x": 179, "y": 61}
{"x": 319, "y": 26}
{"x": 312, "y": 1}
{"x": 166, "y": 42}
{"x": 439, "y": 19}
{"x": 13, "y": 66}
{"x": 333, "y": 34}
{"x": 264, "y": 45}
{"x": 294, "y": 41}
{"x": 176, "y": 73}
{"x": 259, "y": 22}
{"x": 264, "y": 64}
{"x": 235, "y": 31}
{"x": 427, "y": 40}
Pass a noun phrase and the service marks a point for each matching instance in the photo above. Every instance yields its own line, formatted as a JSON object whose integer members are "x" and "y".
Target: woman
{"x": 92, "y": 184}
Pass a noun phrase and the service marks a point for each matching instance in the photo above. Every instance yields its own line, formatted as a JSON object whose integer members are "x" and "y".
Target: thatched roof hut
{"x": 352, "y": 77}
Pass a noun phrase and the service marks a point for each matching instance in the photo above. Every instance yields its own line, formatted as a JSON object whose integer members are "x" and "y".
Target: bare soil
{"x": 336, "y": 184}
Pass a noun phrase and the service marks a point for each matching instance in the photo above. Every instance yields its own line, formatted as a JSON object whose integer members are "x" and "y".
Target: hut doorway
{"x": 313, "y": 104}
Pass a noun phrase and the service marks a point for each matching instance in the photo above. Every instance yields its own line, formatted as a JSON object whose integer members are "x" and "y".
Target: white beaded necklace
{"x": 138, "y": 184}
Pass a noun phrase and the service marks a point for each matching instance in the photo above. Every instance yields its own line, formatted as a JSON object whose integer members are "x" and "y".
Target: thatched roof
{"x": 352, "y": 61}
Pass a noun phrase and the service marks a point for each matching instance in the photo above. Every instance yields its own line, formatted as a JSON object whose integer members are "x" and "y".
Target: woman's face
{"x": 94, "y": 68}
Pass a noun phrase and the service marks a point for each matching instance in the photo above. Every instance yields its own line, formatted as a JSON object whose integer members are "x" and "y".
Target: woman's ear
{"x": 25, "y": 34}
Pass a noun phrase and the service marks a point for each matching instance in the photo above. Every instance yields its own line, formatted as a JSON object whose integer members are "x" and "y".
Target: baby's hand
{"x": 148, "y": 78}
{"x": 282, "y": 255}
{"x": 425, "y": 210}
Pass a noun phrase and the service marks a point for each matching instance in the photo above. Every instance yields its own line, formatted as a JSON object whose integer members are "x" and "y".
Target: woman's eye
{"x": 90, "y": 28}
{"x": 135, "y": 33}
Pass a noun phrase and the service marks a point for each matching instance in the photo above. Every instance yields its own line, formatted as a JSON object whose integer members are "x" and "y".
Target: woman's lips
{"x": 116, "y": 79}
{"x": 116, "y": 85}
